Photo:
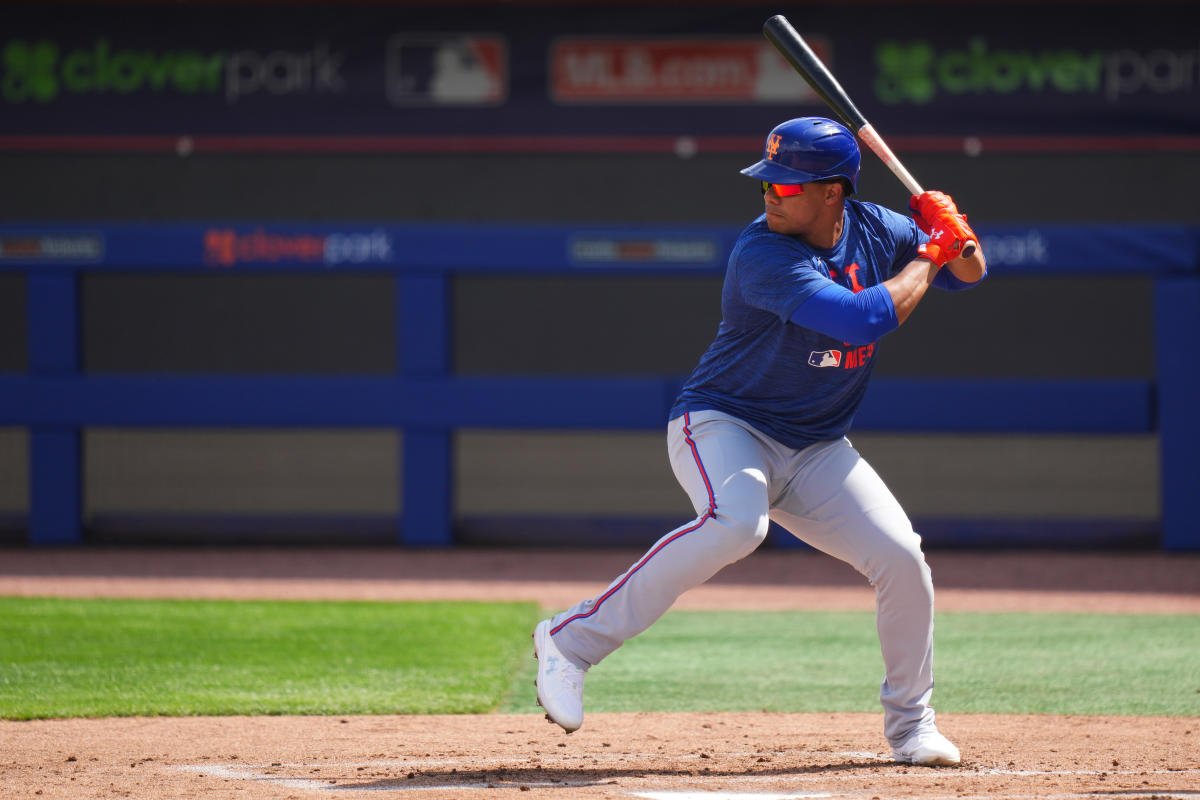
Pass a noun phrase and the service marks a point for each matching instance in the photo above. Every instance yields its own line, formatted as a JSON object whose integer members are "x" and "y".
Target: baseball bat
{"x": 791, "y": 44}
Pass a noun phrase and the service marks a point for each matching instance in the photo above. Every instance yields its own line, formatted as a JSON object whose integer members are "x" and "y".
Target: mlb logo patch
{"x": 446, "y": 70}
{"x": 825, "y": 358}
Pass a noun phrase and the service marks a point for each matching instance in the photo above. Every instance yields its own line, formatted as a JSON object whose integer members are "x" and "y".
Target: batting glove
{"x": 936, "y": 215}
{"x": 928, "y": 206}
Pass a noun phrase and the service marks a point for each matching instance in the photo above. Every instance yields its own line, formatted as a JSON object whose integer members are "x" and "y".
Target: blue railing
{"x": 56, "y": 399}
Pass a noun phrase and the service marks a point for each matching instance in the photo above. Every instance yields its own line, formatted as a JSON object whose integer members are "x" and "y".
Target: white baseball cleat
{"x": 559, "y": 682}
{"x": 927, "y": 748}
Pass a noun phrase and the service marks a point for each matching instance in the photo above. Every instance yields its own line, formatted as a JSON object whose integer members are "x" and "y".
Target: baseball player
{"x": 758, "y": 431}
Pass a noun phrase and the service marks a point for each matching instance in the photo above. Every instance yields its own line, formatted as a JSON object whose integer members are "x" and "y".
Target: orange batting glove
{"x": 936, "y": 215}
{"x": 928, "y": 206}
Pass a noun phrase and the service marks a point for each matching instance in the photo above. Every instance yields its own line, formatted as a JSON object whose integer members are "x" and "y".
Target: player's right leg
{"x": 724, "y": 471}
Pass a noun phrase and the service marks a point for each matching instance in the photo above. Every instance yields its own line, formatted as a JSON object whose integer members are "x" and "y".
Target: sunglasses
{"x": 783, "y": 189}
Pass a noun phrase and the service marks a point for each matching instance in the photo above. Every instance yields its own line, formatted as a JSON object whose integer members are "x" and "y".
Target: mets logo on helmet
{"x": 825, "y": 358}
{"x": 773, "y": 145}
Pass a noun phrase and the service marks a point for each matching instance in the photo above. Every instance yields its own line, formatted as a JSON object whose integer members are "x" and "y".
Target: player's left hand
{"x": 928, "y": 206}
{"x": 936, "y": 214}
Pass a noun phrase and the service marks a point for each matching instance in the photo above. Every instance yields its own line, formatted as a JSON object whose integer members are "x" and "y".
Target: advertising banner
{"x": 1071, "y": 71}
{"x": 693, "y": 71}
{"x": 225, "y": 247}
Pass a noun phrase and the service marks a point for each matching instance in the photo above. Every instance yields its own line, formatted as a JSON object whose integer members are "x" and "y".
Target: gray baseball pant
{"x": 826, "y": 495}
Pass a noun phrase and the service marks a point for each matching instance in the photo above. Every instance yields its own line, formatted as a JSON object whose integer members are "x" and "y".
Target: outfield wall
{"x": 152, "y": 410}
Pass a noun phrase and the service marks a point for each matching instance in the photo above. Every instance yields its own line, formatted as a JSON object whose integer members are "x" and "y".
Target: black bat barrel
{"x": 791, "y": 44}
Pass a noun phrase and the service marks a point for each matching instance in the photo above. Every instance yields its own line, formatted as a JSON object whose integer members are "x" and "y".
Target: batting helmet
{"x": 808, "y": 149}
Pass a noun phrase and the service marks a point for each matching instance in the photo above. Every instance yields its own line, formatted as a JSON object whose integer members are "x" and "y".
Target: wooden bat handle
{"x": 880, "y": 148}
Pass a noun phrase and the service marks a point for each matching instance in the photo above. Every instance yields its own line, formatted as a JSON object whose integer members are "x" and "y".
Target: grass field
{"x": 62, "y": 658}
{"x": 830, "y": 661}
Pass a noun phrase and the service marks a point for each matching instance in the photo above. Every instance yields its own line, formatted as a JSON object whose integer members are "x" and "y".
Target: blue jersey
{"x": 794, "y": 384}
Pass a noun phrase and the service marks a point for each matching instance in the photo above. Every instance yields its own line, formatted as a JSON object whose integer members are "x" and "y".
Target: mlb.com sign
{"x": 717, "y": 70}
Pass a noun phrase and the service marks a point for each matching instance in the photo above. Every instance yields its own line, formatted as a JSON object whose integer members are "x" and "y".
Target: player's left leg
{"x": 838, "y": 504}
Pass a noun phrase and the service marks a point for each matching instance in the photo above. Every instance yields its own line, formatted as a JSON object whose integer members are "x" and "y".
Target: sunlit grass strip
{"x": 830, "y": 661}
{"x": 69, "y": 658}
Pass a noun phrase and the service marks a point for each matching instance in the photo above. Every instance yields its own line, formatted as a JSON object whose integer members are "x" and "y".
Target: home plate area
{"x": 760, "y": 756}
{"x": 848, "y": 778}
{"x": 656, "y": 756}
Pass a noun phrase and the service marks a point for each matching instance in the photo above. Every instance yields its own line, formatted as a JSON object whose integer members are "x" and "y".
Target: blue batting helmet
{"x": 808, "y": 149}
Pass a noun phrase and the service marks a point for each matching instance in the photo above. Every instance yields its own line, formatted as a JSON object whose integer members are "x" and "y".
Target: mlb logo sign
{"x": 446, "y": 70}
{"x": 825, "y": 358}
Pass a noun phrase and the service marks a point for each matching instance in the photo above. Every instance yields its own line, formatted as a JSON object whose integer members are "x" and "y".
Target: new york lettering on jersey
{"x": 851, "y": 280}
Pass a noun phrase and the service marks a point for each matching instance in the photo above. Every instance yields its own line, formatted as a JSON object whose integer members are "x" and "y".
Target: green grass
{"x": 995, "y": 663}
{"x": 129, "y": 657}
{"x": 125, "y": 657}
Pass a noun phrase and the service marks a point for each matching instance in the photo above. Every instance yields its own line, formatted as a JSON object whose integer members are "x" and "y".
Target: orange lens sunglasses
{"x": 783, "y": 189}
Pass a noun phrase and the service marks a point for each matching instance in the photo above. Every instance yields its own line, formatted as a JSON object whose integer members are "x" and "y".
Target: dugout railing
{"x": 56, "y": 399}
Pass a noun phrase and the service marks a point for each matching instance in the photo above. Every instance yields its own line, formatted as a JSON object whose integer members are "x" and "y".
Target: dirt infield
{"x": 670, "y": 756}
{"x": 659, "y": 756}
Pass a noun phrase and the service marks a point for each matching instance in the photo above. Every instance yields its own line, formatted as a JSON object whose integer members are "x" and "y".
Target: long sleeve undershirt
{"x": 853, "y": 317}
